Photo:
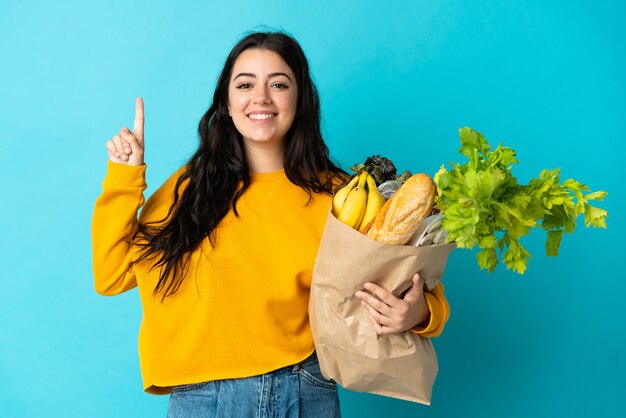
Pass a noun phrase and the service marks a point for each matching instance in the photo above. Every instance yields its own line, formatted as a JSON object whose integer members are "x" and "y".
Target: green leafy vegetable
{"x": 381, "y": 168}
{"x": 484, "y": 205}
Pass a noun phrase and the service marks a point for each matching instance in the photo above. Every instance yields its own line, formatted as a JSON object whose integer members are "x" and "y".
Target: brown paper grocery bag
{"x": 350, "y": 352}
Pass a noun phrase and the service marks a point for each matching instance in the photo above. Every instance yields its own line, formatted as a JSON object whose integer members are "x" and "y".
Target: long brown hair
{"x": 218, "y": 173}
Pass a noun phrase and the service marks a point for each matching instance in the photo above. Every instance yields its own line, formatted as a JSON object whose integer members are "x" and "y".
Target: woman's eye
{"x": 244, "y": 86}
{"x": 280, "y": 86}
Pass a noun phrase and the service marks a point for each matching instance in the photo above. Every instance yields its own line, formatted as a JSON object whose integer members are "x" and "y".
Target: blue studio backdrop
{"x": 396, "y": 78}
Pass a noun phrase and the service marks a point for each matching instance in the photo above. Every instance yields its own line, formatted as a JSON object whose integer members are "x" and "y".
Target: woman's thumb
{"x": 129, "y": 139}
{"x": 417, "y": 289}
{"x": 136, "y": 155}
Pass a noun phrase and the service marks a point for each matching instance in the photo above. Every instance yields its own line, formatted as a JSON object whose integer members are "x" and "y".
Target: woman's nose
{"x": 263, "y": 96}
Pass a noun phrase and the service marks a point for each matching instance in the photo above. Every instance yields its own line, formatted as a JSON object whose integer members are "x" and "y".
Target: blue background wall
{"x": 396, "y": 78}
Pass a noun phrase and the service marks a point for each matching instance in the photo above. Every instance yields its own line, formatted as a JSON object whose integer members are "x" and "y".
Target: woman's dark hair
{"x": 218, "y": 167}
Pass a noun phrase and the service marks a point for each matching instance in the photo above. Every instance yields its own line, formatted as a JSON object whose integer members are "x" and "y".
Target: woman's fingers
{"x": 376, "y": 315}
{"x": 127, "y": 147}
{"x": 129, "y": 140}
{"x": 135, "y": 147}
{"x": 125, "y": 142}
{"x": 113, "y": 154}
{"x": 382, "y": 294}
{"x": 389, "y": 313}
{"x": 139, "y": 120}
{"x": 383, "y": 324}
{"x": 119, "y": 148}
{"x": 375, "y": 302}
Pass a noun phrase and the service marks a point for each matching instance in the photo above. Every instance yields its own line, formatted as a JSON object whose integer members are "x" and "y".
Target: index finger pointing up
{"x": 138, "y": 130}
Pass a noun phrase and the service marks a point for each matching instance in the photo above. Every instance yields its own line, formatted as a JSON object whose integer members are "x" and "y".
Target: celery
{"x": 485, "y": 206}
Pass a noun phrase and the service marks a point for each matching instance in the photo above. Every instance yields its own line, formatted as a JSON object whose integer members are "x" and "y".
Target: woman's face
{"x": 262, "y": 97}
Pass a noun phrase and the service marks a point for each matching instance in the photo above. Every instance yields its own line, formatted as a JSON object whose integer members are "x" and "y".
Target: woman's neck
{"x": 264, "y": 158}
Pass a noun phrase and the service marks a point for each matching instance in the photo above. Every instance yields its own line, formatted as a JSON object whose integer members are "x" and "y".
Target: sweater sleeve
{"x": 439, "y": 313}
{"x": 113, "y": 223}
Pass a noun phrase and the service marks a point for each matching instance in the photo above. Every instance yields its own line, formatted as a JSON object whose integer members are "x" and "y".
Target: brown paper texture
{"x": 350, "y": 352}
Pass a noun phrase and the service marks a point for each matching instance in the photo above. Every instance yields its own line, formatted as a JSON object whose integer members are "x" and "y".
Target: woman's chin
{"x": 264, "y": 141}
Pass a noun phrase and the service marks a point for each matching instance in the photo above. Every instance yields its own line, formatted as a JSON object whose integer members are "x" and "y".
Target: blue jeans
{"x": 293, "y": 391}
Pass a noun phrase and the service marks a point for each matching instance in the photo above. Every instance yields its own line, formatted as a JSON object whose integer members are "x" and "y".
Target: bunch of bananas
{"x": 357, "y": 204}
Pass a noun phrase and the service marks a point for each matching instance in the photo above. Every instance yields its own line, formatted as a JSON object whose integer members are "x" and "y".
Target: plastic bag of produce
{"x": 349, "y": 350}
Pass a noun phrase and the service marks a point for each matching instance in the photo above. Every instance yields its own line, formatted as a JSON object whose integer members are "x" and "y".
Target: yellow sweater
{"x": 242, "y": 308}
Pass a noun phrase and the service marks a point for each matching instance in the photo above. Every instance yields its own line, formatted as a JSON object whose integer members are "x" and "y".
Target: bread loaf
{"x": 401, "y": 215}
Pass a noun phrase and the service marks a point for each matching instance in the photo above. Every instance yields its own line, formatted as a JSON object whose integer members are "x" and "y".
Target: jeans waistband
{"x": 309, "y": 359}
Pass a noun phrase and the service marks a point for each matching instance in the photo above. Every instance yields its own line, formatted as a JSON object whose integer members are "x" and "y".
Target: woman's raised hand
{"x": 127, "y": 147}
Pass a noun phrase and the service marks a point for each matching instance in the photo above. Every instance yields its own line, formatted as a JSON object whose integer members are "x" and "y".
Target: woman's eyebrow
{"x": 254, "y": 76}
{"x": 279, "y": 74}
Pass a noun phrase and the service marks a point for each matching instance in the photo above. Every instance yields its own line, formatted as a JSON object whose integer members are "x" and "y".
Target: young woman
{"x": 222, "y": 252}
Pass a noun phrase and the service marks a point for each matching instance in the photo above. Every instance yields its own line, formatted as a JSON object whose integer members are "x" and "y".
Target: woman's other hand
{"x": 127, "y": 147}
{"x": 390, "y": 314}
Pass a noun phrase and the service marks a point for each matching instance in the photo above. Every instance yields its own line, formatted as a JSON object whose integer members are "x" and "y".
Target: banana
{"x": 340, "y": 195}
{"x": 354, "y": 206}
{"x": 375, "y": 201}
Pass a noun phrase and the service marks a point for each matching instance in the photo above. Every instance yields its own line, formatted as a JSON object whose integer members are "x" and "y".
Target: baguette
{"x": 401, "y": 215}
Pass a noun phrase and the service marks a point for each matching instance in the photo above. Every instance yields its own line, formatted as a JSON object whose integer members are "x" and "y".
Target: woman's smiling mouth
{"x": 261, "y": 116}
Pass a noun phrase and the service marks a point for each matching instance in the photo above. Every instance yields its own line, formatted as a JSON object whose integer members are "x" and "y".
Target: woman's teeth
{"x": 261, "y": 116}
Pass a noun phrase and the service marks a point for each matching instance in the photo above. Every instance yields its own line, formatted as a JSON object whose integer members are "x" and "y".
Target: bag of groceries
{"x": 348, "y": 348}
{"x": 382, "y": 228}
